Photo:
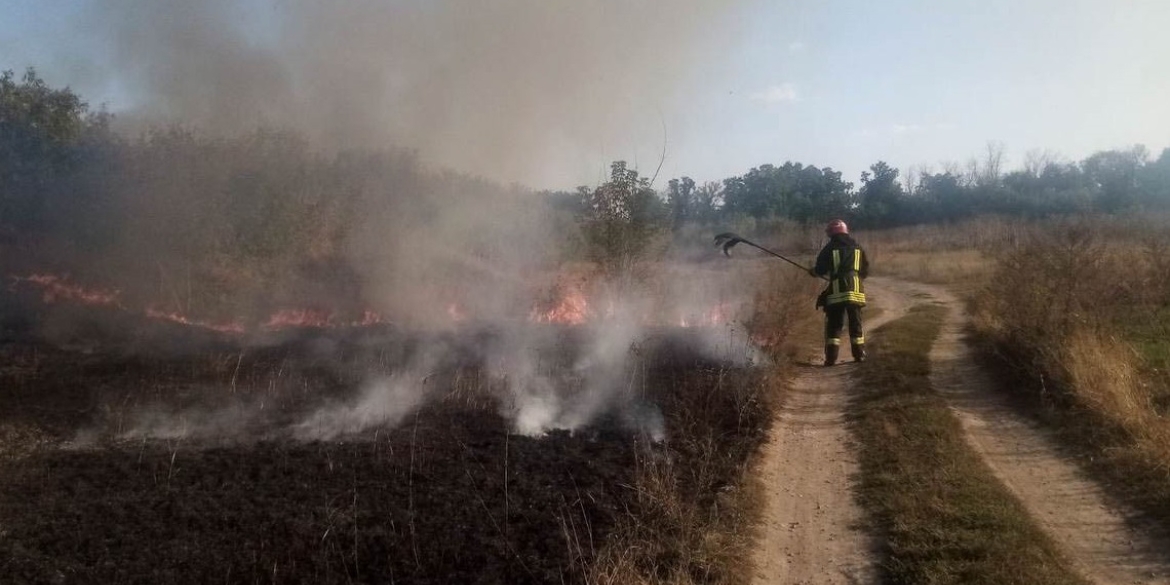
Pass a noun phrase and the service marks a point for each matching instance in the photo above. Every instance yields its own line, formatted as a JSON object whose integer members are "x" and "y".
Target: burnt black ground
{"x": 451, "y": 499}
{"x": 448, "y": 495}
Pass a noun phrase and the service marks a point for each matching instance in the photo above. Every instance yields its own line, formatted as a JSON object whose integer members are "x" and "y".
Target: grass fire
{"x": 429, "y": 291}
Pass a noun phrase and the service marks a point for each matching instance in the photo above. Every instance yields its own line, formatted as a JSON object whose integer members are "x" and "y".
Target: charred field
{"x": 167, "y": 453}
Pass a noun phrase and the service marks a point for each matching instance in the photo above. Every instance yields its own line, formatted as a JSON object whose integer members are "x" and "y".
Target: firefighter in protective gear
{"x": 844, "y": 263}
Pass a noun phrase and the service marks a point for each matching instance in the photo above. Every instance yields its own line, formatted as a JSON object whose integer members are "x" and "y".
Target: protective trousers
{"x": 834, "y": 321}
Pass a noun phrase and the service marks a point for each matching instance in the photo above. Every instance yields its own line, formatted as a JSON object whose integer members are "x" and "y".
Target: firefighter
{"x": 844, "y": 263}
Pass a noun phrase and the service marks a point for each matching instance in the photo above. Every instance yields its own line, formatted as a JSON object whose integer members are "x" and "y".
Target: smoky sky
{"x": 512, "y": 90}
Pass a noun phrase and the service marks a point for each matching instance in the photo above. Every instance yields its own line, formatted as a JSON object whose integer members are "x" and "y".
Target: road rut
{"x": 1104, "y": 542}
{"x": 811, "y": 530}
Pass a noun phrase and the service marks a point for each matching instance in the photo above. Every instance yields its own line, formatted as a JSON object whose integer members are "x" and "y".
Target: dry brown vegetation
{"x": 1074, "y": 314}
{"x": 958, "y": 255}
{"x": 696, "y": 505}
{"x": 448, "y": 494}
{"x": 940, "y": 512}
{"x": 1077, "y": 310}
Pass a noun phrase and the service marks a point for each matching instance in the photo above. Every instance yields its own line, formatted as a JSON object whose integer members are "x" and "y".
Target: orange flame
{"x": 573, "y": 309}
{"x": 299, "y": 318}
{"x": 183, "y": 320}
{"x": 369, "y": 318}
{"x": 456, "y": 313}
{"x": 56, "y": 288}
{"x": 716, "y": 315}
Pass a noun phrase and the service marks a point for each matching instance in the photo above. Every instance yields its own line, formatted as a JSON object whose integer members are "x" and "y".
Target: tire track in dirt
{"x": 811, "y": 529}
{"x": 1104, "y": 543}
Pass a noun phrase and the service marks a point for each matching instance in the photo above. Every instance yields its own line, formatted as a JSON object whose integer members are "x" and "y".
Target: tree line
{"x": 265, "y": 201}
{"x": 1111, "y": 181}
{"x": 224, "y": 226}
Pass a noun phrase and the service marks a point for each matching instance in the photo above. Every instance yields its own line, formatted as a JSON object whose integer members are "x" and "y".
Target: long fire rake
{"x": 728, "y": 240}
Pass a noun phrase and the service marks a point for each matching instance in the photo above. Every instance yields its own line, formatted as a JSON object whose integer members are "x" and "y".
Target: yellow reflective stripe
{"x": 846, "y": 297}
{"x": 857, "y": 340}
{"x": 856, "y": 260}
{"x": 848, "y": 293}
{"x": 833, "y": 341}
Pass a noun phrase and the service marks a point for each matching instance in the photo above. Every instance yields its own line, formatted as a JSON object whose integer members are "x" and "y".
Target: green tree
{"x": 45, "y": 137}
{"x": 1115, "y": 174}
{"x": 755, "y": 194}
{"x": 682, "y": 199}
{"x": 881, "y": 195}
{"x": 1155, "y": 182}
{"x": 621, "y": 219}
{"x": 823, "y": 194}
{"x": 792, "y": 190}
{"x": 708, "y": 201}
{"x": 943, "y": 194}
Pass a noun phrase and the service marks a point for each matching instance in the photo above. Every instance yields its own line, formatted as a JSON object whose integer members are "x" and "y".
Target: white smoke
{"x": 157, "y": 422}
{"x": 600, "y": 380}
{"x": 514, "y": 90}
{"x": 382, "y": 402}
{"x": 547, "y": 377}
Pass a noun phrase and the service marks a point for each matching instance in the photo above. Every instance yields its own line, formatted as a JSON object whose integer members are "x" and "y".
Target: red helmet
{"x": 836, "y": 226}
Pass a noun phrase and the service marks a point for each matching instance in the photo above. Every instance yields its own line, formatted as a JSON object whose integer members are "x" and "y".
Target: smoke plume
{"x": 308, "y": 174}
{"x": 512, "y": 90}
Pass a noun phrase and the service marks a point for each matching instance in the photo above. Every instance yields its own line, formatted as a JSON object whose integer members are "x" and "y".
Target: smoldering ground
{"x": 293, "y": 156}
{"x": 435, "y": 257}
{"x": 307, "y": 174}
{"x": 536, "y": 376}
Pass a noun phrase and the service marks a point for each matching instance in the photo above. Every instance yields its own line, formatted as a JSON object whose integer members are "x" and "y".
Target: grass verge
{"x": 1074, "y": 320}
{"x": 943, "y": 516}
{"x": 1127, "y": 450}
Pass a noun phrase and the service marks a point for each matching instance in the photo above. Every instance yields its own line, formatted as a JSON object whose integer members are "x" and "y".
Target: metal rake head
{"x": 727, "y": 241}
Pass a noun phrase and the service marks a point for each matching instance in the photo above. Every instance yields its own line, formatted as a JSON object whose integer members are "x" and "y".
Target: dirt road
{"x": 811, "y": 528}
{"x": 1106, "y": 544}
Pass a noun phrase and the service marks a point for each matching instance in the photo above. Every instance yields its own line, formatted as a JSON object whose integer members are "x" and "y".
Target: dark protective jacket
{"x": 844, "y": 262}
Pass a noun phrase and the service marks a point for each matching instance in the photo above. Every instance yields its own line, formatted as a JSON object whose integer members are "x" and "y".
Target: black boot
{"x": 831, "y": 354}
{"x": 858, "y": 353}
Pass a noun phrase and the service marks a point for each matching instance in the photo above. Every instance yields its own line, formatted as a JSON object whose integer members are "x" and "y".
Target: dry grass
{"x": 962, "y": 269}
{"x": 1061, "y": 314}
{"x": 984, "y": 233}
{"x": 959, "y": 255}
{"x": 1104, "y": 375}
{"x": 1074, "y": 311}
{"x": 676, "y": 538}
{"x": 942, "y": 514}
{"x": 696, "y": 500}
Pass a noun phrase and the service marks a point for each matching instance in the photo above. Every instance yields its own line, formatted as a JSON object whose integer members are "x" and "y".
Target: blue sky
{"x": 840, "y": 84}
{"x": 917, "y": 83}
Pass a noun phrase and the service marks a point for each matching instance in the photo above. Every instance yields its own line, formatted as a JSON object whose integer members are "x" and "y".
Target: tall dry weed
{"x": 1050, "y": 286}
{"x": 694, "y": 502}
{"x": 1058, "y": 309}
{"x": 782, "y": 308}
{"x": 982, "y": 233}
{"x": 1103, "y": 376}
